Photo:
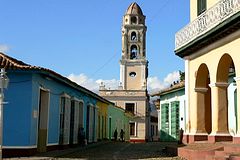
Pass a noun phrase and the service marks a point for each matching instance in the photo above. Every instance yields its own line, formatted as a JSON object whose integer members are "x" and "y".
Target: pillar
{"x": 187, "y": 115}
{"x": 198, "y": 131}
{"x": 219, "y": 113}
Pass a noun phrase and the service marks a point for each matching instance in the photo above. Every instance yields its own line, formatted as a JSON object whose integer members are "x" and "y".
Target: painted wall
{"x": 17, "y": 112}
{"x": 102, "y": 120}
{"x": 176, "y": 96}
{"x": 193, "y": 7}
{"x": 119, "y": 120}
{"x": 23, "y": 108}
{"x": 211, "y": 56}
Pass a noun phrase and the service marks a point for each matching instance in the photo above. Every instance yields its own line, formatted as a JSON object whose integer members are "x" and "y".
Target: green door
{"x": 164, "y": 132}
{"x": 175, "y": 120}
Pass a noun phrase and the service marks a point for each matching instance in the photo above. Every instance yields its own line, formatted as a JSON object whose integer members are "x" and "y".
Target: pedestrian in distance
{"x": 115, "y": 134}
{"x": 180, "y": 136}
{"x": 122, "y": 135}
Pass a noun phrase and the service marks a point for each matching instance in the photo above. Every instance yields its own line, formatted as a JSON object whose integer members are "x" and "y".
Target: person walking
{"x": 115, "y": 134}
{"x": 122, "y": 135}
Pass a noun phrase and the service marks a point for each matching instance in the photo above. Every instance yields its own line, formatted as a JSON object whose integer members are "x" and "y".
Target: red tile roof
{"x": 170, "y": 89}
{"x": 10, "y": 63}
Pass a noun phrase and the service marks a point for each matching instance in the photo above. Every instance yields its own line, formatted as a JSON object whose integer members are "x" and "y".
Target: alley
{"x": 118, "y": 150}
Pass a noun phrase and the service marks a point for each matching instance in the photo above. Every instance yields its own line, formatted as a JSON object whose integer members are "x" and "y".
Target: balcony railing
{"x": 206, "y": 21}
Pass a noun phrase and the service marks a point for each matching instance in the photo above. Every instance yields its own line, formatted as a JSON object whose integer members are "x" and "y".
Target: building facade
{"x": 46, "y": 111}
{"x": 131, "y": 94}
{"x": 210, "y": 46}
{"x": 171, "y": 112}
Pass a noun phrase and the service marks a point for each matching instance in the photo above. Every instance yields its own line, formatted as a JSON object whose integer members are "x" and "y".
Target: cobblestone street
{"x": 118, "y": 150}
{"x": 108, "y": 151}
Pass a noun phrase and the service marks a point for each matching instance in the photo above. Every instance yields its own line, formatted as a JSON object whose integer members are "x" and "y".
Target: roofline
{"x": 21, "y": 66}
{"x": 170, "y": 90}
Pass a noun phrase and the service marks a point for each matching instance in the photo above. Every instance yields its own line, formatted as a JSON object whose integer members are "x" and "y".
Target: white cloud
{"x": 154, "y": 84}
{"x": 4, "y": 48}
{"x": 91, "y": 84}
{"x": 174, "y": 76}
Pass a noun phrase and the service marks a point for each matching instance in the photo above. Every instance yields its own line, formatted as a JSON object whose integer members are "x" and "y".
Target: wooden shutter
{"x": 76, "y": 122}
{"x": 175, "y": 120}
{"x": 67, "y": 121}
{"x": 164, "y": 133}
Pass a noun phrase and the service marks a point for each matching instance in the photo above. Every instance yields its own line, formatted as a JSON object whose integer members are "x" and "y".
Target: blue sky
{"x": 83, "y": 38}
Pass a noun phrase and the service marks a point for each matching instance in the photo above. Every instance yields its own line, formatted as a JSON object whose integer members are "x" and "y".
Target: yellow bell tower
{"x": 133, "y": 64}
{"x": 131, "y": 94}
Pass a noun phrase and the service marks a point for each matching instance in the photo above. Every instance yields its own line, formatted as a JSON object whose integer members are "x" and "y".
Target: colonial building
{"x": 47, "y": 111}
{"x": 171, "y": 112}
{"x": 131, "y": 94}
{"x": 210, "y": 46}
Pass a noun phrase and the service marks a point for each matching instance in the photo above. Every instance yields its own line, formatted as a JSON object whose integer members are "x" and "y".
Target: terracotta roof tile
{"x": 175, "y": 86}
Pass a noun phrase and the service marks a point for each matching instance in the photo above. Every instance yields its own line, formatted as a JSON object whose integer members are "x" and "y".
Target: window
{"x": 133, "y": 36}
{"x": 130, "y": 107}
{"x": 65, "y": 109}
{"x": 201, "y": 6}
{"x": 133, "y": 20}
{"x": 132, "y": 128}
{"x": 134, "y": 52}
{"x": 132, "y": 74}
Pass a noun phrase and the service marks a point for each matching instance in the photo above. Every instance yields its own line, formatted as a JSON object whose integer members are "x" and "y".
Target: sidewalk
{"x": 52, "y": 155}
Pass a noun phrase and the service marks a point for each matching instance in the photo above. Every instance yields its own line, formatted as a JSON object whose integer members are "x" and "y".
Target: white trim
{"x": 236, "y": 78}
{"x": 37, "y": 128}
{"x": 19, "y": 147}
{"x": 44, "y": 89}
{"x": 75, "y": 99}
{"x": 65, "y": 95}
{"x": 136, "y": 127}
{"x": 90, "y": 105}
{"x": 52, "y": 144}
{"x": 219, "y": 84}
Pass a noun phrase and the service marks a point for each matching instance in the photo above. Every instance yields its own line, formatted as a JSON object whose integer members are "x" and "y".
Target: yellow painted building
{"x": 210, "y": 46}
{"x": 102, "y": 120}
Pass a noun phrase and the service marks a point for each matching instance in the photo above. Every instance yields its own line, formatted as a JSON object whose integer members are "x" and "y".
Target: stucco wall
{"x": 17, "y": 112}
{"x": 193, "y": 7}
{"x": 21, "y": 114}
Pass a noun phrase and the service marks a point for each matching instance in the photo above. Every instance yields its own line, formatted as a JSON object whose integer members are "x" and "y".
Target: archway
{"x": 224, "y": 70}
{"x": 134, "y": 52}
{"x": 203, "y": 102}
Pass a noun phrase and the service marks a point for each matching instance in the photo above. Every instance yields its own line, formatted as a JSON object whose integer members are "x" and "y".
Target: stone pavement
{"x": 111, "y": 150}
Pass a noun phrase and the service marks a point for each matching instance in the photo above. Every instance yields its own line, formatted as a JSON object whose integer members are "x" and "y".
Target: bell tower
{"x": 133, "y": 63}
{"x": 131, "y": 94}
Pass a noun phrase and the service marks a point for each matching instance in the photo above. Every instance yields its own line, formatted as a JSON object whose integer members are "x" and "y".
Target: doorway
{"x": 43, "y": 120}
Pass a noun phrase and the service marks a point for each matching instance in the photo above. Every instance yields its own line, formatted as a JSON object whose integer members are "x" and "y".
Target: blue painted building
{"x": 45, "y": 110}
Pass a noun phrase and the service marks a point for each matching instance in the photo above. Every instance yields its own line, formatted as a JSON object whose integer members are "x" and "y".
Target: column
{"x": 198, "y": 131}
{"x": 187, "y": 115}
{"x": 236, "y": 138}
{"x": 200, "y": 104}
{"x": 219, "y": 113}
